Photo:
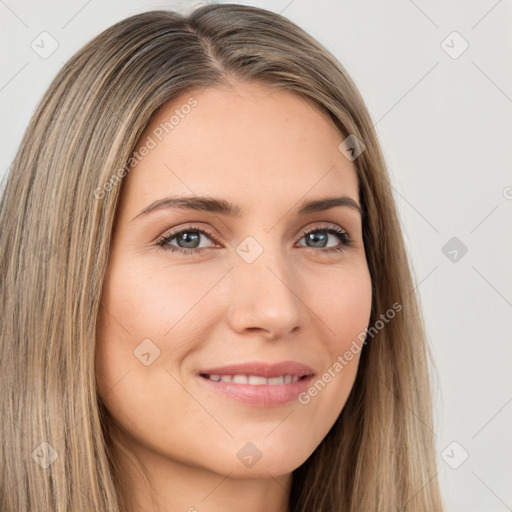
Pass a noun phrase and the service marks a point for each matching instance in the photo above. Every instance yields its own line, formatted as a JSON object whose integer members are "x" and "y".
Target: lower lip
{"x": 263, "y": 395}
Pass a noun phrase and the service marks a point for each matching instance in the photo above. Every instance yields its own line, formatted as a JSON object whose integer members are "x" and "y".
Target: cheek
{"x": 150, "y": 302}
{"x": 148, "y": 314}
{"x": 169, "y": 306}
{"x": 343, "y": 304}
{"x": 343, "y": 309}
{"x": 140, "y": 344}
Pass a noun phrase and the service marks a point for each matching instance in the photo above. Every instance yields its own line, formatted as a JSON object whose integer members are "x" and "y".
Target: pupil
{"x": 316, "y": 237}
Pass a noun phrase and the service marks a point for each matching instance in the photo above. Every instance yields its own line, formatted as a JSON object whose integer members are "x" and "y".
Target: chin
{"x": 261, "y": 460}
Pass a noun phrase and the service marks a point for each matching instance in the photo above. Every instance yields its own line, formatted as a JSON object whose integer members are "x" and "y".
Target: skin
{"x": 267, "y": 150}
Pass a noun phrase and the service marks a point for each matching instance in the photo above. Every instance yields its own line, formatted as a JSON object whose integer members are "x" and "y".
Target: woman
{"x": 206, "y": 290}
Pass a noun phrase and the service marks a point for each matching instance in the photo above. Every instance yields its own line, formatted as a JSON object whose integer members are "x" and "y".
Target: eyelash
{"x": 342, "y": 235}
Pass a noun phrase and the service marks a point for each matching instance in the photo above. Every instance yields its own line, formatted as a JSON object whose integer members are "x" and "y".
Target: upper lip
{"x": 261, "y": 369}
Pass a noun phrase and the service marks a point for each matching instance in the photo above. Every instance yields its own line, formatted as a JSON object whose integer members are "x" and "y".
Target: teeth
{"x": 255, "y": 380}
{"x": 276, "y": 380}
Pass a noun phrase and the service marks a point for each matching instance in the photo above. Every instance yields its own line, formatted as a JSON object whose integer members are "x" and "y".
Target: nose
{"x": 266, "y": 299}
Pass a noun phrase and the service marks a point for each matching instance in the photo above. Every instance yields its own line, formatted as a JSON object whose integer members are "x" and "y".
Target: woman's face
{"x": 243, "y": 278}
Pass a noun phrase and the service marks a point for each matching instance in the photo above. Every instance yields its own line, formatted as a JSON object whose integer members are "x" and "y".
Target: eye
{"x": 319, "y": 236}
{"x": 188, "y": 239}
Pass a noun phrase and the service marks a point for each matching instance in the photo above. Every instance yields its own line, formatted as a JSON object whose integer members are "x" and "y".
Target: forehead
{"x": 248, "y": 141}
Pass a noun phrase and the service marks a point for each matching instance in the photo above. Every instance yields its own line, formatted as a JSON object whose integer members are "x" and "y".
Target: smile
{"x": 258, "y": 383}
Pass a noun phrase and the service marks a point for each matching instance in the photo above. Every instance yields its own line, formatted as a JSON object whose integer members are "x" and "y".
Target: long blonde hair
{"x": 55, "y": 234}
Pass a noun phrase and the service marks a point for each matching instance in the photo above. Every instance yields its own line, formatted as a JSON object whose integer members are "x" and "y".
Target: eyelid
{"x": 319, "y": 227}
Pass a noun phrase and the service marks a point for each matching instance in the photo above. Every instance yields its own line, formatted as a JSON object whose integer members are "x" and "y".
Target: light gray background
{"x": 445, "y": 125}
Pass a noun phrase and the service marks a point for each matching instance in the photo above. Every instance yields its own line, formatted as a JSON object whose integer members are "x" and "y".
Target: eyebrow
{"x": 221, "y": 206}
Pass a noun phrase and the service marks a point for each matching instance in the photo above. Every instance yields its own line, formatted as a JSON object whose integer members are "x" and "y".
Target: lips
{"x": 259, "y": 384}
